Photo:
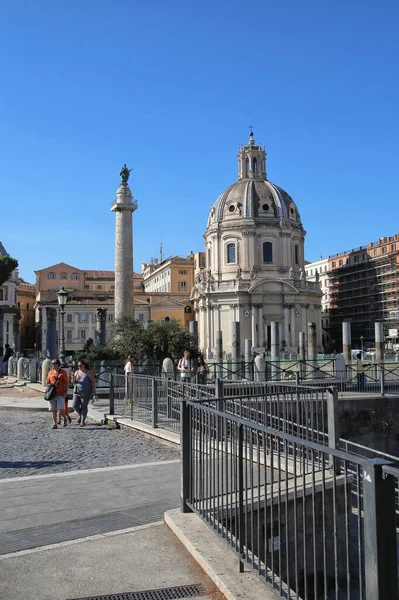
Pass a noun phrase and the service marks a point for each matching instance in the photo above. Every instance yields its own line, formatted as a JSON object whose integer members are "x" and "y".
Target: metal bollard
{"x": 111, "y": 395}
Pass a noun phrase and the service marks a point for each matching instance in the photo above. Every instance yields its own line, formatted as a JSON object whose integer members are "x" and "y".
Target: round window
{"x": 266, "y": 207}
{"x": 232, "y": 208}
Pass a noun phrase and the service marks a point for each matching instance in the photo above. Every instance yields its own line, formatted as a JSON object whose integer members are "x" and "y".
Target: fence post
{"x": 380, "y": 551}
{"x": 333, "y": 425}
{"x": 382, "y": 379}
{"x": 111, "y": 395}
{"x": 185, "y": 449}
{"x": 297, "y": 377}
{"x": 154, "y": 393}
{"x": 241, "y": 517}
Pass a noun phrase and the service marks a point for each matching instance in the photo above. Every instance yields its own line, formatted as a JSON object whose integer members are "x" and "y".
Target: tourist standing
{"x": 128, "y": 369}
{"x": 202, "y": 370}
{"x": 185, "y": 366}
{"x": 360, "y": 368}
{"x": 8, "y": 352}
{"x": 84, "y": 386}
{"x": 59, "y": 378}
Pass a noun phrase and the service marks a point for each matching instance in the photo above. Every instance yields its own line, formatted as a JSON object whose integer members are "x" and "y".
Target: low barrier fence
{"x": 307, "y": 412}
{"x": 376, "y": 379}
{"x": 286, "y": 506}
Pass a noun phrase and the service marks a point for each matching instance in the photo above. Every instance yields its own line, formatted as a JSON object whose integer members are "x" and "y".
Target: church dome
{"x": 253, "y": 196}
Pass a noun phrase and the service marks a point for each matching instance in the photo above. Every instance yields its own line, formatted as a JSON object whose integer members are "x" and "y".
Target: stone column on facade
{"x": 302, "y": 353}
{"x": 286, "y": 325}
{"x": 254, "y": 325}
{"x": 51, "y": 332}
{"x": 312, "y": 342}
{"x": 193, "y": 328}
{"x": 212, "y": 308}
{"x": 208, "y": 330}
{"x": 235, "y": 348}
{"x": 261, "y": 327}
{"x": 219, "y": 318}
{"x": 275, "y": 349}
{"x": 101, "y": 333}
{"x": 346, "y": 341}
{"x": 202, "y": 313}
{"x": 16, "y": 331}
{"x": 1, "y": 330}
{"x": 293, "y": 341}
{"x": 304, "y": 309}
{"x": 248, "y": 358}
{"x": 379, "y": 341}
{"x": 123, "y": 207}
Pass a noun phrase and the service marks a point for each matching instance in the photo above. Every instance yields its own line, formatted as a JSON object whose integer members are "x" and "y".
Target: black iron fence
{"x": 307, "y": 412}
{"x": 286, "y": 506}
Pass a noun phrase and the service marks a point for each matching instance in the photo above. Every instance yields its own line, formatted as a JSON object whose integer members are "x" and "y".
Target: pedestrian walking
{"x": 8, "y": 352}
{"x": 185, "y": 366}
{"x": 66, "y": 409}
{"x": 202, "y": 370}
{"x": 128, "y": 369}
{"x": 84, "y": 387}
{"x": 360, "y": 370}
{"x": 59, "y": 378}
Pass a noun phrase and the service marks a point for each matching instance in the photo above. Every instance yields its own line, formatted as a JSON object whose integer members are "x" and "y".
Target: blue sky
{"x": 170, "y": 88}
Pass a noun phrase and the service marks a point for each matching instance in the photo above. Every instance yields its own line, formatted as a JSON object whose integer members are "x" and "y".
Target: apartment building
{"x": 318, "y": 271}
{"x": 363, "y": 289}
{"x": 87, "y": 291}
{"x": 167, "y": 287}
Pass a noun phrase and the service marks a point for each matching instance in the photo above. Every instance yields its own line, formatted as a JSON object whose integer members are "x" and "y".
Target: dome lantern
{"x": 251, "y": 160}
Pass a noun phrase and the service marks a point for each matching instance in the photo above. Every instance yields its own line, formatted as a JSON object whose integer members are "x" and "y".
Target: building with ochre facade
{"x": 254, "y": 270}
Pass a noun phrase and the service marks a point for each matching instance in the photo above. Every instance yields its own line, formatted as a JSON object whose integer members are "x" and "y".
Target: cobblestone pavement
{"x": 30, "y": 447}
{"x": 23, "y": 392}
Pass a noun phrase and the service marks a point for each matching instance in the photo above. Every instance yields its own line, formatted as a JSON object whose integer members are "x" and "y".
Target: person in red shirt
{"x": 59, "y": 378}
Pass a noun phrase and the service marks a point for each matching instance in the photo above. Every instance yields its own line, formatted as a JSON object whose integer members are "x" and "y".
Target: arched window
{"x": 296, "y": 252}
{"x": 246, "y": 166}
{"x": 51, "y": 276}
{"x": 267, "y": 252}
{"x": 254, "y": 165}
{"x": 64, "y": 276}
{"x": 231, "y": 253}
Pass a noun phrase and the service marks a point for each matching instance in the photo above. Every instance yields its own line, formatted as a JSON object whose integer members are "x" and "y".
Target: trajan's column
{"x": 124, "y": 205}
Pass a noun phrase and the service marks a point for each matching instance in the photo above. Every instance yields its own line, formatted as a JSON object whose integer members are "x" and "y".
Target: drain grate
{"x": 183, "y": 591}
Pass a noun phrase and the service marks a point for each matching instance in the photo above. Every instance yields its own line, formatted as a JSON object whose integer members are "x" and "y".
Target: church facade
{"x": 254, "y": 271}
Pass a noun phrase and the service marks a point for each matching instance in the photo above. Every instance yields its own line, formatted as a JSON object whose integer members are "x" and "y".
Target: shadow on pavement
{"x": 31, "y": 464}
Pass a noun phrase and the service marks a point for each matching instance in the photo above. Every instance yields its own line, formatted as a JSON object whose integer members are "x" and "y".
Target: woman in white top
{"x": 185, "y": 367}
{"x": 128, "y": 368}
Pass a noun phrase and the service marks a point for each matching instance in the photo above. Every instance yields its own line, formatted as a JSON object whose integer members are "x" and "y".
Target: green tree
{"x": 168, "y": 339}
{"x": 7, "y": 266}
{"x": 156, "y": 341}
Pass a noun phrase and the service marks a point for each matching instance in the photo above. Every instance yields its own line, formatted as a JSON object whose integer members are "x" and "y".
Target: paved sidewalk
{"x": 146, "y": 558}
{"x": 47, "y": 509}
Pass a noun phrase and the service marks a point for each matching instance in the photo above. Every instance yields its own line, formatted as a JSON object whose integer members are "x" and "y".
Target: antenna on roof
{"x": 161, "y": 252}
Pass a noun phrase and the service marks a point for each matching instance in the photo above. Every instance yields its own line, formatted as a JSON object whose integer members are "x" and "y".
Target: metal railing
{"x": 285, "y": 506}
{"x": 299, "y": 410}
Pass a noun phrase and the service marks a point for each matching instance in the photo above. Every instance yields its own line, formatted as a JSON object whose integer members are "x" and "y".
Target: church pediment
{"x": 272, "y": 285}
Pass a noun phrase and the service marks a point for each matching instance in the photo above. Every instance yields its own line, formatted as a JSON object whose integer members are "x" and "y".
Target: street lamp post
{"x": 62, "y": 300}
{"x": 361, "y": 343}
